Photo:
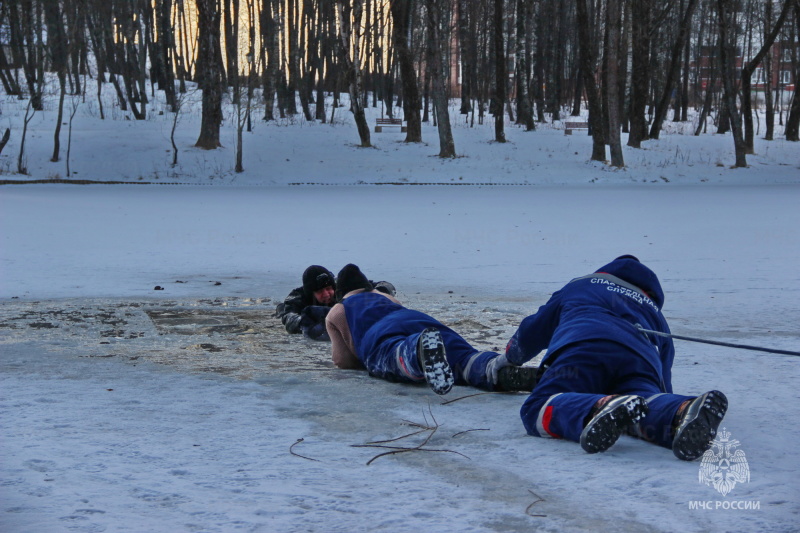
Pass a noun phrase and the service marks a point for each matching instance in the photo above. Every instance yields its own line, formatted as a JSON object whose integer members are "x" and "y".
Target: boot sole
{"x": 605, "y": 428}
{"x": 434, "y": 363}
{"x": 696, "y": 434}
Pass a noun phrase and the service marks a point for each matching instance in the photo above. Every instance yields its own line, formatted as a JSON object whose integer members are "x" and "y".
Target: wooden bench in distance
{"x": 569, "y": 126}
{"x": 380, "y": 123}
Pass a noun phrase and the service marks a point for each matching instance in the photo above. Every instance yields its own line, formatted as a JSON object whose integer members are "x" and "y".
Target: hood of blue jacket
{"x": 634, "y": 272}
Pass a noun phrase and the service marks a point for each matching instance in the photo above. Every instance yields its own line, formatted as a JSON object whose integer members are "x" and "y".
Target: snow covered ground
{"x": 123, "y": 408}
{"x": 293, "y": 150}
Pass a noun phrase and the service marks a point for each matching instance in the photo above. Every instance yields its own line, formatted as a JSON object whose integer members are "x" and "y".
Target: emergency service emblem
{"x": 723, "y": 466}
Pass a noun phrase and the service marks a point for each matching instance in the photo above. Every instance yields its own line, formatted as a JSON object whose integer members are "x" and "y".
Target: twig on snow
{"x": 403, "y": 450}
{"x": 397, "y": 438}
{"x": 528, "y": 508}
{"x": 467, "y": 431}
{"x": 426, "y": 427}
{"x": 298, "y": 441}
{"x": 471, "y": 395}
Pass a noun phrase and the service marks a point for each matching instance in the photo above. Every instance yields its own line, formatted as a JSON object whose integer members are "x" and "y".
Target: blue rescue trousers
{"x": 388, "y": 348}
{"x": 586, "y": 371}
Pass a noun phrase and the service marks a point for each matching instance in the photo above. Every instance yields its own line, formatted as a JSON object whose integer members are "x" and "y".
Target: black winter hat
{"x": 349, "y": 279}
{"x": 315, "y": 278}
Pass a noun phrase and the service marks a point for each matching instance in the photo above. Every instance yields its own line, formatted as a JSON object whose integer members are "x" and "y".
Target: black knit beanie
{"x": 349, "y": 279}
{"x": 315, "y": 278}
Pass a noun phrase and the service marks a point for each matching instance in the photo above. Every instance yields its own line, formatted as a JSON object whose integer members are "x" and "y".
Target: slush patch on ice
{"x": 237, "y": 337}
{"x": 194, "y": 321}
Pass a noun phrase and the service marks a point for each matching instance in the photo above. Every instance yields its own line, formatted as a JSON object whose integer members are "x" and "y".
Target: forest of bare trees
{"x": 631, "y": 64}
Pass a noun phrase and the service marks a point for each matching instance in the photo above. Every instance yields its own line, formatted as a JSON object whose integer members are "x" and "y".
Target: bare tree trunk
{"x": 242, "y": 112}
{"x": 230, "y": 16}
{"x": 727, "y": 58}
{"x": 22, "y": 167}
{"x": 144, "y": 36}
{"x": 62, "y": 89}
{"x": 556, "y": 31}
{"x": 4, "y": 139}
{"x": 769, "y": 106}
{"x": 401, "y": 18}
{"x": 524, "y": 111}
{"x": 291, "y": 30}
{"x": 185, "y": 67}
{"x": 348, "y": 17}
{"x": 587, "y": 68}
{"x": 624, "y": 53}
{"x": 613, "y": 16}
{"x": 209, "y": 67}
{"x": 9, "y": 83}
{"x": 322, "y": 42}
{"x": 165, "y": 45}
{"x": 674, "y": 70}
{"x": 707, "y": 102}
{"x": 500, "y": 72}
{"x": 75, "y": 103}
{"x": 465, "y": 40}
{"x": 793, "y": 121}
{"x": 57, "y": 42}
{"x": 26, "y": 46}
{"x": 539, "y": 75}
{"x": 711, "y": 67}
{"x": 640, "y": 71}
{"x": 179, "y": 99}
{"x": 270, "y": 64}
{"x": 747, "y": 73}
{"x": 438, "y": 52}
{"x": 304, "y": 72}
{"x": 687, "y": 68}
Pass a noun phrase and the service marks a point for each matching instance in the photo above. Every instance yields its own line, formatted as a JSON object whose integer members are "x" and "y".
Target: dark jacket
{"x": 297, "y": 314}
{"x": 605, "y": 305}
{"x": 302, "y": 314}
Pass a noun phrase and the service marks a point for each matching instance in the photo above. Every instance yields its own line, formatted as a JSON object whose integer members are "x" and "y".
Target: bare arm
{"x": 342, "y": 351}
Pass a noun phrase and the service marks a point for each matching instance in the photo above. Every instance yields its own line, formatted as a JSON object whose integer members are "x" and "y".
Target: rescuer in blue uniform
{"x": 601, "y": 376}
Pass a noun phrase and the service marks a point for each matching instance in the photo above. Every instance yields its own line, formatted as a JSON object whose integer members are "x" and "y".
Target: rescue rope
{"x": 718, "y": 343}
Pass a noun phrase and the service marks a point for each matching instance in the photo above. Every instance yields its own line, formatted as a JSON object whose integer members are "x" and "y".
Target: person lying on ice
{"x": 370, "y": 329}
{"x": 304, "y": 309}
{"x": 601, "y": 376}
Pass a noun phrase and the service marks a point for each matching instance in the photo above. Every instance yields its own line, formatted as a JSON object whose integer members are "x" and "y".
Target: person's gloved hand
{"x": 313, "y": 314}
{"x": 292, "y": 322}
{"x": 494, "y": 366}
{"x": 514, "y": 353}
{"x": 317, "y": 332}
{"x": 312, "y": 322}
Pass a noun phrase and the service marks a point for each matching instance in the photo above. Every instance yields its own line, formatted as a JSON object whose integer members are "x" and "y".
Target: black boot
{"x": 516, "y": 378}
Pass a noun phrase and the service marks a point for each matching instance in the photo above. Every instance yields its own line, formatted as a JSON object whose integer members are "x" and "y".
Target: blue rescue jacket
{"x": 606, "y": 306}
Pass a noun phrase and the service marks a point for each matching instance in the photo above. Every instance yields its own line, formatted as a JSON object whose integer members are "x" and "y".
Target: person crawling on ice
{"x": 305, "y": 308}
{"x": 369, "y": 329}
{"x": 601, "y": 376}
